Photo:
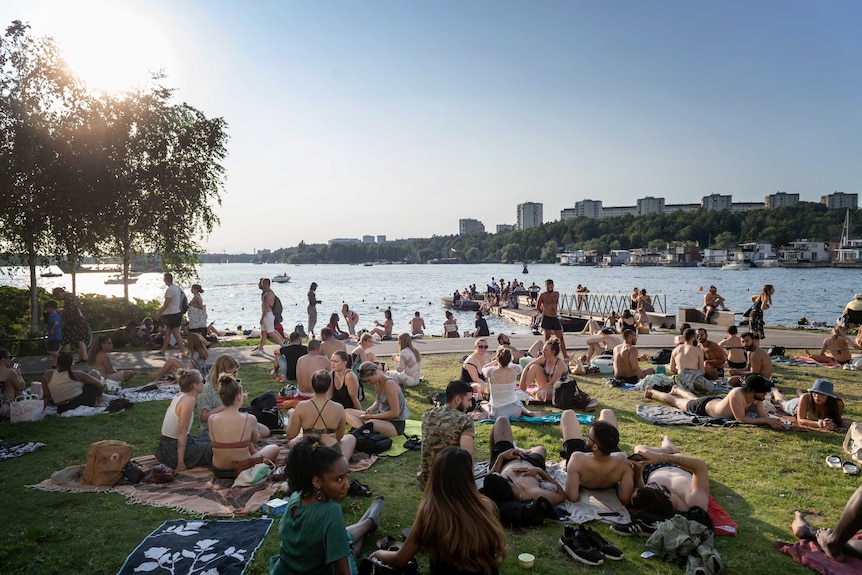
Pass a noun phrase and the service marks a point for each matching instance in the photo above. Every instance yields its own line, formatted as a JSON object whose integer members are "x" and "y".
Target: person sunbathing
{"x": 835, "y": 348}
{"x": 818, "y": 408}
{"x": 735, "y": 405}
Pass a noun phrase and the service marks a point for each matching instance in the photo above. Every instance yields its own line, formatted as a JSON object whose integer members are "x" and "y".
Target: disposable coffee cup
{"x": 36, "y": 389}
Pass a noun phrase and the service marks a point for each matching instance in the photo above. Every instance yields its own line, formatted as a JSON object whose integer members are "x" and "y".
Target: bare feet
{"x": 668, "y": 445}
{"x": 674, "y": 390}
{"x": 800, "y": 527}
{"x": 648, "y": 393}
{"x": 823, "y": 536}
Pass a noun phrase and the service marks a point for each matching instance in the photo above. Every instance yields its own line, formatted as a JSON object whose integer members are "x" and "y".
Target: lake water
{"x": 233, "y": 299}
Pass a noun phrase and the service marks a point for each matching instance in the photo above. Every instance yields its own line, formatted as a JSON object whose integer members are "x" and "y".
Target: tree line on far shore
{"x": 719, "y": 229}
{"x": 92, "y": 173}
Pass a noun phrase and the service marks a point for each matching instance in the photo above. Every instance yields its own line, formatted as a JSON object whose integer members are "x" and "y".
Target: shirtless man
{"x": 605, "y": 341}
{"x": 835, "y": 348}
{"x": 267, "y": 318}
{"x": 732, "y": 344}
{"x": 595, "y": 463}
{"x": 518, "y": 474}
{"x": 735, "y": 405}
{"x": 417, "y": 325}
{"x": 351, "y": 318}
{"x": 626, "y": 360}
{"x": 328, "y": 344}
{"x": 714, "y": 357}
{"x": 687, "y": 361}
{"x": 307, "y": 365}
{"x": 312, "y": 308}
{"x": 548, "y": 306}
{"x": 10, "y": 378}
{"x": 758, "y": 360}
{"x": 665, "y": 482}
{"x": 711, "y": 302}
{"x": 504, "y": 342}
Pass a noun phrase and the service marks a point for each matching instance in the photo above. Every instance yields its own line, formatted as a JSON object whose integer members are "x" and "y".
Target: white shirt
{"x": 176, "y": 295}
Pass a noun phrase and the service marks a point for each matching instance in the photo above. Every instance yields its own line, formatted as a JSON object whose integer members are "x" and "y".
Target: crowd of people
{"x": 456, "y": 525}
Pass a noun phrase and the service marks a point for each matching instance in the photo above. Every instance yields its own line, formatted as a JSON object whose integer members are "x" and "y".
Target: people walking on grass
{"x": 173, "y": 315}
{"x": 76, "y": 328}
{"x": 267, "y": 317}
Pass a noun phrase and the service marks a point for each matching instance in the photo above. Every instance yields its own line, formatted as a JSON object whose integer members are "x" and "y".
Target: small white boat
{"x": 281, "y": 279}
{"x": 368, "y": 264}
{"x": 736, "y": 266}
{"x": 119, "y": 280}
{"x": 51, "y": 274}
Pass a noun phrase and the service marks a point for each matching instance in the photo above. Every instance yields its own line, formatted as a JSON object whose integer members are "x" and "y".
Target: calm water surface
{"x": 233, "y": 299}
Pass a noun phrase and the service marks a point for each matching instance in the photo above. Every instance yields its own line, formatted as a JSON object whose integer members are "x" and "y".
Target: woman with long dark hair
{"x": 99, "y": 360}
{"x": 818, "y": 408}
{"x": 760, "y": 303}
{"x": 456, "y": 525}
{"x": 312, "y": 533}
{"x": 76, "y": 328}
{"x": 70, "y": 389}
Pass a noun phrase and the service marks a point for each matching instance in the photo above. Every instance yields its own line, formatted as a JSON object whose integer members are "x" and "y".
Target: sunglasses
{"x": 482, "y": 346}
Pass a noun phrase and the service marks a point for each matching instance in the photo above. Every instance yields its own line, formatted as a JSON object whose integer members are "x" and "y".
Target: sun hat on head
{"x": 823, "y": 387}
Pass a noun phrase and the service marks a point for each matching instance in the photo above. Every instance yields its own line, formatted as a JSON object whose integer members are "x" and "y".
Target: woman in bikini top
{"x": 233, "y": 433}
{"x": 321, "y": 417}
{"x": 471, "y": 370}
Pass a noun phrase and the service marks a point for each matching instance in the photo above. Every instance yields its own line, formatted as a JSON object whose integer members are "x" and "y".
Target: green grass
{"x": 759, "y": 476}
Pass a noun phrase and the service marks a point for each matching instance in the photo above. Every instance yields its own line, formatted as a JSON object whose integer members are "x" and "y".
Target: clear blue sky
{"x": 398, "y": 118}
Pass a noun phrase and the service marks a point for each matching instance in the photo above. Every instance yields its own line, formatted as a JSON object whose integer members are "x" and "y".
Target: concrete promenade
{"x": 142, "y": 361}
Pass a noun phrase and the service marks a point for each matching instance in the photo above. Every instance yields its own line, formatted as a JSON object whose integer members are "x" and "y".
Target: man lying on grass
{"x": 735, "y": 405}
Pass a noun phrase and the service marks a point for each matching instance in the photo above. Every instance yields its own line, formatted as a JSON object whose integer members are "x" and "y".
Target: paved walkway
{"x": 141, "y": 361}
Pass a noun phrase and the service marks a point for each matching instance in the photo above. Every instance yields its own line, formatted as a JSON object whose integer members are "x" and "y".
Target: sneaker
{"x": 636, "y": 527}
{"x": 258, "y": 353}
{"x": 610, "y": 551}
{"x": 575, "y": 543}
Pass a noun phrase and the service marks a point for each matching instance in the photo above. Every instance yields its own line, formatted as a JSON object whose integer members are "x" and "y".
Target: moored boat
{"x": 281, "y": 279}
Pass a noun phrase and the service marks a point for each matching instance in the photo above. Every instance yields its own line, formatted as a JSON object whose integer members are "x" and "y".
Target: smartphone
{"x": 16, "y": 366}
{"x": 636, "y": 457}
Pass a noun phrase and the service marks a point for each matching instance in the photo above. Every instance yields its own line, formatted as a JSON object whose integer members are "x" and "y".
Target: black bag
{"x": 661, "y": 357}
{"x": 277, "y": 309}
{"x": 265, "y": 409}
{"x": 775, "y": 350}
{"x": 133, "y": 472}
{"x": 369, "y": 441}
{"x": 525, "y": 513}
{"x": 748, "y": 312}
{"x": 567, "y": 395}
{"x": 373, "y": 566}
{"x": 184, "y": 303}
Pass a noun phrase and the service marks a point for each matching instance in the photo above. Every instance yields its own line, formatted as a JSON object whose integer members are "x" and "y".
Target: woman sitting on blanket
{"x": 177, "y": 448}
{"x": 199, "y": 354}
{"x": 545, "y": 371}
{"x": 502, "y": 376}
{"x": 70, "y": 389}
{"x": 98, "y": 359}
{"x": 818, "y": 408}
{"x": 456, "y": 525}
{"x": 233, "y": 433}
{"x": 312, "y": 533}
{"x": 322, "y": 417}
{"x": 388, "y": 414}
{"x": 835, "y": 348}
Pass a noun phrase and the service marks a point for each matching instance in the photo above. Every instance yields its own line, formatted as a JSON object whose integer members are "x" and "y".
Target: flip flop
{"x": 834, "y": 462}
{"x": 850, "y": 468}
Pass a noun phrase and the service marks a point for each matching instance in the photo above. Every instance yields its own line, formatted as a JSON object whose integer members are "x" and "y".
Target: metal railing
{"x": 604, "y": 304}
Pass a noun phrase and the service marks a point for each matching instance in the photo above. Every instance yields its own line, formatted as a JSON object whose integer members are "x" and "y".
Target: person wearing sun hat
{"x": 818, "y": 408}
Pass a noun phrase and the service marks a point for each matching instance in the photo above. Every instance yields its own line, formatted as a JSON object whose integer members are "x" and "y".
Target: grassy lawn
{"x": 759, "y": 476}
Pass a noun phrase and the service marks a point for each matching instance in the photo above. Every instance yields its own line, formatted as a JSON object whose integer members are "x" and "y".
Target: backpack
{"x": 184, "y": 303}
{"x": 567, "y": 395}
{"x": 775, "y": 350}
{"x": 661, "y": 357}
{"x": 525, "y": 513}
{"x": 277, "y": 309}
{"x": 105, "y": 462}
{"x": 265, "y": 409}
{"x": 369, "y": 441}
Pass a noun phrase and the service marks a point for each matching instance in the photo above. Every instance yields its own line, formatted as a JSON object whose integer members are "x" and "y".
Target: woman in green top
{"x": 313, "y": 537}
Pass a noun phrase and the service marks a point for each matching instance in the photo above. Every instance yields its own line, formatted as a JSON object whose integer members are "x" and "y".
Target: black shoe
{"x": 610, "y": 551}
{"x": 636, "y": 527}
{"x": 575, "y": 543}
{"x": 413, "y": 442}
{"x": 356, "y": 489}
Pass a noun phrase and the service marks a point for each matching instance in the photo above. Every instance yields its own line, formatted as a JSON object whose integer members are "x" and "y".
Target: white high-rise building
{"x": 529, "y": 215}
{"x": 468, "y": 226}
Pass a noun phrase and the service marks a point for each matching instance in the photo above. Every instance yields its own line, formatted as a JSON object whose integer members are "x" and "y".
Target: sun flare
{"x": 111, "y": 46}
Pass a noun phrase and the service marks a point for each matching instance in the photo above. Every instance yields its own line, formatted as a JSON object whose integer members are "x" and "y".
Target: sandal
{"x": 356, "y": 489}
{"x": 413, "y": 442}
{"x": 387, "y": 542}
{"x": 834, "y": 462}
{"x": 850, "y": 468}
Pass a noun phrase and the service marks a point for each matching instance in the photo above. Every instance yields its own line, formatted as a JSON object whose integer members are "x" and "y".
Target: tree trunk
{"x": 34, "y": 293}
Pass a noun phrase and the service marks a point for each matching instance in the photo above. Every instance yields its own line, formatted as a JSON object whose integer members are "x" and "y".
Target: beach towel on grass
{"x": 411, "y": 427}
{"x": 10, "y": 450}
{"x": 593, "y": 504}
{"x": 807, "y": 553}
{"x": 194, "y": 491}
{"x": 182, "y": 546}
{"x": 724, "y": 523}
{"x": 667, "y": 415}
{"x": 583, "y": 419}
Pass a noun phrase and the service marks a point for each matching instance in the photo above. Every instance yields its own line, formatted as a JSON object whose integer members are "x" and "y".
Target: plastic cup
{"x": 526, "y": 560}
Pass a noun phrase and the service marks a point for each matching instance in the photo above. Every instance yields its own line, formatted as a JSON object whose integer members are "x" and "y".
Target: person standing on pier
{"x": 548, "y": 305}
